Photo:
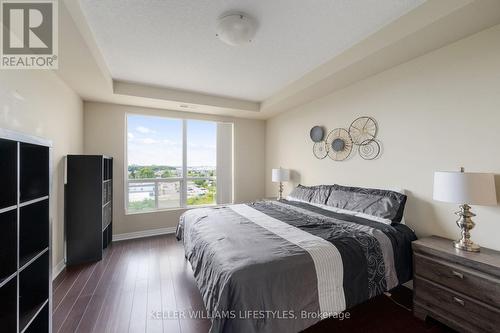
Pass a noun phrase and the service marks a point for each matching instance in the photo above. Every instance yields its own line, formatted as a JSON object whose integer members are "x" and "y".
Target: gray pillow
{"x": 320, "y": 194}
{"x": 380, "y": 203}
{"x": 302, "y": 193}
{"x": 313, "y": 194}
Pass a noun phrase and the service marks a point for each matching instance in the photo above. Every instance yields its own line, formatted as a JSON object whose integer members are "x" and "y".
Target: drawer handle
{"x": 457, "y": 274}
{"x": 459, "y": 301}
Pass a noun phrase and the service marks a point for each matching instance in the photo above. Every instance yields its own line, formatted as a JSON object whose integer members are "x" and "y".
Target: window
{"x": 172, "y": 163}
{"x": 201, "y": 162}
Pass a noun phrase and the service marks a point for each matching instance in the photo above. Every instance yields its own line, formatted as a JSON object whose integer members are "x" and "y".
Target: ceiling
{"x": 172, "y": 43}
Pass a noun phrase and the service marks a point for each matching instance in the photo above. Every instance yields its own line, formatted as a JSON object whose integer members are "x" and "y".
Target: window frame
{"x": 182, "y": 180}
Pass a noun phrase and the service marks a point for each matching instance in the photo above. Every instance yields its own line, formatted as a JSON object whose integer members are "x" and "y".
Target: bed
{"x": 282, "y": 266}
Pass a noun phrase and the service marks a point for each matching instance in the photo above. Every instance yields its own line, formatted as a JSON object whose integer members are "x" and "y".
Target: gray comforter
{"x": 283, "y": 266}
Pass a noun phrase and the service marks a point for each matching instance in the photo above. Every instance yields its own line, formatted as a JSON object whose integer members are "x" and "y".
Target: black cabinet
{"x": 25, "y": 271}
{"x": 8, "y": 169}
{"x": 88, "y": 207}
{"x": 8, "y": 244}
{"x": 34, "y": 166}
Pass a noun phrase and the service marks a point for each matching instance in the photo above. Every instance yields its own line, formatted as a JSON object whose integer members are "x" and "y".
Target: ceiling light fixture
{"x": 236, "y": 29}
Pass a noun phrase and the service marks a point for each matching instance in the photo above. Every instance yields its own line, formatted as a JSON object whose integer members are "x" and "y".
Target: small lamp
{"x": 465, "y": 188}
{"x": 279, "y": 176}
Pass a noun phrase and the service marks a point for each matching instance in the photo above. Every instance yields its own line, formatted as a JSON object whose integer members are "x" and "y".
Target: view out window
{"x": 201, "y": 162}
{"x": 171, "y": 163}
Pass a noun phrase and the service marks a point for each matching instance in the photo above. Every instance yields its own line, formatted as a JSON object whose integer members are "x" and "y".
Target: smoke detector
{"x": 236, "y": 29}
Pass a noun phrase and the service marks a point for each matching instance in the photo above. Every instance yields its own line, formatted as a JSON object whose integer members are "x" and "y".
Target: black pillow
{"x": 313, "y": 194}
{"x": 380, "y": 203}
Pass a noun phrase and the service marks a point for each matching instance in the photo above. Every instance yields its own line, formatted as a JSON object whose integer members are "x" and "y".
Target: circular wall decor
{"x": 369, "y": 149}
{"x": 363, "y": 130}
{"x": 320, "y": 150}
{"x": 339, "y": 144}
{"x": 317, "y": 133}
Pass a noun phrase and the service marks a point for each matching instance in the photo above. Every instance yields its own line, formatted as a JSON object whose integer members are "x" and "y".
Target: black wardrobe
{"x": 25, "y": 253}
{"x": 88, "y": 207}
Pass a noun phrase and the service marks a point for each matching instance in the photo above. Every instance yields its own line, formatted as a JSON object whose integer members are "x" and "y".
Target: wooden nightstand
{"x": 460, "y": 289}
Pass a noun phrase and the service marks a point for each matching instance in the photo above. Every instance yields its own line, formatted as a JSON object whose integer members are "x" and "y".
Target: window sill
{"x": 175, "y": 209}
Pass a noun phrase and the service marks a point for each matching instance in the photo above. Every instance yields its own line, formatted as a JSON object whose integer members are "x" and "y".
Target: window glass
{"x": 201, "y": 162}
{"x": 155, "y": 148}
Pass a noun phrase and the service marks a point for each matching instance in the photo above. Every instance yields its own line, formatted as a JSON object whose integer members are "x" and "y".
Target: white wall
{"x": 104, "y": 132}
{"x": 38, "y": 103}
{"x": 436, "y": 112}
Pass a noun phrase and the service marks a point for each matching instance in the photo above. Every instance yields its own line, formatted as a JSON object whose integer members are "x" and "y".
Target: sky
{"x": 158, "y": 141}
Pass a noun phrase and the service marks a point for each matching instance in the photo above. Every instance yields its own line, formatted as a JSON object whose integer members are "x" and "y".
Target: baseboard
{"x": 145, "y": 233}
{"x": 57, "y": 269}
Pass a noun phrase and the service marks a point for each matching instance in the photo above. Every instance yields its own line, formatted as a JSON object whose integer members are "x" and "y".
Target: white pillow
{"x": 334, "y": 209}
{"x": 289, "y": 198}
{"x": 373, "y": 218}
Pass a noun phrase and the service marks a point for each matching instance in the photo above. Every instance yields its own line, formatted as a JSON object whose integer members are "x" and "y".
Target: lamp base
{"x": 471, "y": 246}
{"x": 465, "y": 224}
{"x": 280, "y": 193}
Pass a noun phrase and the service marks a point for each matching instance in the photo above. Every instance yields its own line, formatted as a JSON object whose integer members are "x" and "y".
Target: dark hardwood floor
{"x": 138, "y": 278}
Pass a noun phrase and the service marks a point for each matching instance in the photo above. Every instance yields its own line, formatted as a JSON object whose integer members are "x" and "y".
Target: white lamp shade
{"x": 281, "y": 175}
{"x": 465, "y": 188}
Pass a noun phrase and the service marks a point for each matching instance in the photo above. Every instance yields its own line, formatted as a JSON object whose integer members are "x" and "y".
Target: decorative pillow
{"x": 320, "y": 194}
{"x": 383, "y": 204}
{"x": 301, "y": 193}
{"x": 402, "y": 191}
{"x": 311, "y": 194}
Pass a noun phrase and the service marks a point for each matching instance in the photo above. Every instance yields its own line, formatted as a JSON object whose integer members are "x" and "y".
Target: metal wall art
{"x": 340, "y": 142}
{"x": 317, "y": 134}
{"x": 362, "y": 130}
{"x": 320, "y": 150}
{"x": 369, "y": 150}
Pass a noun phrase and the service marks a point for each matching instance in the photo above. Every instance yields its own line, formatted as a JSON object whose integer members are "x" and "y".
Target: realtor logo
{"x": 29, "y": 34}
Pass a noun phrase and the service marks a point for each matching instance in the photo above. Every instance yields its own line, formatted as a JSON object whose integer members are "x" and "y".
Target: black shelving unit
{"x": 25, "y": 253}
{"x": 88, "y": 207}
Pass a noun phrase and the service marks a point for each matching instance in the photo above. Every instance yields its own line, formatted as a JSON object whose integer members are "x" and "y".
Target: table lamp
{"x": 279, "y": 176}
{"x": 465, "y": 188}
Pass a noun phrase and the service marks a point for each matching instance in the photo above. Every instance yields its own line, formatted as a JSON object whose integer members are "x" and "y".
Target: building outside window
{"x": 172, "y": 163}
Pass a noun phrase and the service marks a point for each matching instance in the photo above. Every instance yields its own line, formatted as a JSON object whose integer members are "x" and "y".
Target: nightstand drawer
{"x": 456, "y": 307}
{"x": 480, "y": 286}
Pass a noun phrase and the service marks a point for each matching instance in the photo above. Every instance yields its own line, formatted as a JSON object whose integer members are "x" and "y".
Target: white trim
{"x": 144, "y": 233}
{"x": 224, "y": 167}
{"x": 24, "y": 138}
{"x": 57, "y": 269}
